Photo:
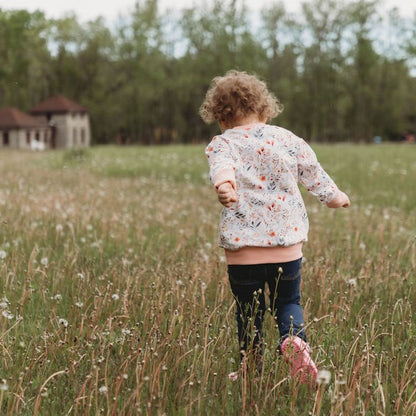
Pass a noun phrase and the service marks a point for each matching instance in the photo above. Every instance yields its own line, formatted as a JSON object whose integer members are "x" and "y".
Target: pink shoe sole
{"x": 296, "y": 353}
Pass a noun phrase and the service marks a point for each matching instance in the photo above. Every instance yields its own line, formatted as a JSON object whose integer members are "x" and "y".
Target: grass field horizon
{"x": 114, "y": 295}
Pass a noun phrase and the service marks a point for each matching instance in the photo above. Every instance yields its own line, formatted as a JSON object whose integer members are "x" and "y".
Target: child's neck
{"x": 243, "y": 122}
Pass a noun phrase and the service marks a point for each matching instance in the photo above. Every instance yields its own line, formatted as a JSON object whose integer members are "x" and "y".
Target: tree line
{"x": 344, "y": 71}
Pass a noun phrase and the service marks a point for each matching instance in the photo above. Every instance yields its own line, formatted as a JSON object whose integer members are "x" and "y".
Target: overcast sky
{"x": 110, "y": 9}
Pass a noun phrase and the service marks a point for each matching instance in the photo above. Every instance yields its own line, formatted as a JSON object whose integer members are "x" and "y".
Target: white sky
{"x": 110, "y": 9}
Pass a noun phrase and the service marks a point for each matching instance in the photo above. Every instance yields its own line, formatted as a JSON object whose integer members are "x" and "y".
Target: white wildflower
{"x": 4, "y": 303}
{"x": 79, "y": 304}
{"x": 352, "y": 282}
{"x": 58, "y": 297}
{"x": 59, "y": 228}
{"x": 126, "y": 262}
{"x": 3, "y": 254}
{"x": 7, "y": 314}
{"x": 44, "y": 261}
{"x": 115, "y": 296}
{"x": 103, "y": 389}
{"x": 323, "y": 377}
{"x": 80, "y": 276}
{"x": 3, "y": 385}
{"x": 63, "y": 322}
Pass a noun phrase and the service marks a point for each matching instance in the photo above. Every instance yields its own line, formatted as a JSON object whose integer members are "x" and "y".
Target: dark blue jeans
{"x": 248, "y": 283}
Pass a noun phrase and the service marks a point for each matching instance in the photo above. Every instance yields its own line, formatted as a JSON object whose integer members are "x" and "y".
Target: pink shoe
{"x": 297, "y": 353}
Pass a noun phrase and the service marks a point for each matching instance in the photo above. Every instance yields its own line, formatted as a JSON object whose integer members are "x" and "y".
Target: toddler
{"x": 255, "y": 168}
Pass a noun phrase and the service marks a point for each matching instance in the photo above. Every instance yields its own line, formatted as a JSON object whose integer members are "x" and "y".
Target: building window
{"x": 6, "y": 138}
{"x": 83, "y": 136}
{"x": 37, "y": 136}
{"x": 74, "y": 136}
{"x": 28, "y": 137}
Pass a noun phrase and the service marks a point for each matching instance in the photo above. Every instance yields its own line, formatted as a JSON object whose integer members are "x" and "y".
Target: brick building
{"x": 57, "y": 122}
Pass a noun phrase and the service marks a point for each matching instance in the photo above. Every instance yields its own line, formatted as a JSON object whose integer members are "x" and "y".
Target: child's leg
{"x": 285, "y": 299}
{"x": 247, "y": 285}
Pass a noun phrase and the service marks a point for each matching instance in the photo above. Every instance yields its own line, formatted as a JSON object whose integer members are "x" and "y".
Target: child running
{"x": 255, "y": 168}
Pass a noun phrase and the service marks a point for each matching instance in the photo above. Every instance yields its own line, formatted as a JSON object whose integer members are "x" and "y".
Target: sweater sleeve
{"x": 313, "y": 177}
{"x": 220, "y": 161}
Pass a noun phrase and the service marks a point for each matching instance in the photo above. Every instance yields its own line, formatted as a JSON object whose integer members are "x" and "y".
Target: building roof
{"x": 58, "y": 104}
{"x": 12, "y": 118}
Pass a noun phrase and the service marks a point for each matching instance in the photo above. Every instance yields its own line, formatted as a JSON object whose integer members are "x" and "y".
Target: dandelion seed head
{"x": 323, "y": 377}
{"x": 7, "y": 314}
{"x": 4, "y": 303}
{"x": 3, "y": 254}
{"x": 352, "y": 282}
{"x": 63, "y": 322}
{"x": 44, "y": 261}
{"x": 3, "y": 385}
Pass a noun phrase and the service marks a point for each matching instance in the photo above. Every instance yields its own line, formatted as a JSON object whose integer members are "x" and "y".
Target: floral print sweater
{"x": 264, "y": 164}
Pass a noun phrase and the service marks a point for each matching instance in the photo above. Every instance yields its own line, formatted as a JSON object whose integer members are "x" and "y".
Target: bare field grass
{"x": 114, "y": 297}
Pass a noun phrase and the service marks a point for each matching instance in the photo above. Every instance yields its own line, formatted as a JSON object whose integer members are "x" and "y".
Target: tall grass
{"x": 114, "y": 297}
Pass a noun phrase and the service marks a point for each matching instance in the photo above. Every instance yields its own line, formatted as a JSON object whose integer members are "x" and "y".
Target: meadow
{"x": 114, "y": 296}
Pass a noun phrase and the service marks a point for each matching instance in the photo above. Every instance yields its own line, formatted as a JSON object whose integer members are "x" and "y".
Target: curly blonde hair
{"x": 237, "y": 95}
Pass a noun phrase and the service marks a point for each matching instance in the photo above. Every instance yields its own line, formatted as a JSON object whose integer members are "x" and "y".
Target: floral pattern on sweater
{"x": 265, "y": 163}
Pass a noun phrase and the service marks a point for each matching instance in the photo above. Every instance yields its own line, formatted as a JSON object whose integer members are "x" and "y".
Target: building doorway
{"x": 6, "y": 138}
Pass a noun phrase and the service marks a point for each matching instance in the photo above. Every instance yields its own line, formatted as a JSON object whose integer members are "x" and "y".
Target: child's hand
{"x": 226, "y": 194}
{"x": 340, "y": 200}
